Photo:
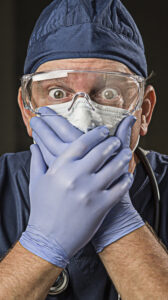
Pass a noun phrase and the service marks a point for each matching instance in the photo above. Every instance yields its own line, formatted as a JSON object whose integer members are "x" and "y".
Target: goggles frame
{"x": 27, "y": 79}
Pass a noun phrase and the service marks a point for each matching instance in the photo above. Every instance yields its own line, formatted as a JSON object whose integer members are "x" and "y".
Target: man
{"x": 86, "y": 84}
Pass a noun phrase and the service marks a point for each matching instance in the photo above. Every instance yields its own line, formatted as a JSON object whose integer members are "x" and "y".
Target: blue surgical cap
{"x": 86, "y": 29}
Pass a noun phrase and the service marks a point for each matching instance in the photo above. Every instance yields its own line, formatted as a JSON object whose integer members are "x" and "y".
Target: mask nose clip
{"x": 83, "y": 95}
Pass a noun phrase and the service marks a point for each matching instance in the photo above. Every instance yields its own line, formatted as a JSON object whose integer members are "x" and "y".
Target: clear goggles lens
{"x": 106, "y": 88}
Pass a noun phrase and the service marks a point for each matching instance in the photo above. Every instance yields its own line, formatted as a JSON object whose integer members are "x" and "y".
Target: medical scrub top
{"x": 88, "y": 277}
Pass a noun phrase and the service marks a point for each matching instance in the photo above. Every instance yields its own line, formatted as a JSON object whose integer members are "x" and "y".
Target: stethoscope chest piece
{"x": 60, "y": 284}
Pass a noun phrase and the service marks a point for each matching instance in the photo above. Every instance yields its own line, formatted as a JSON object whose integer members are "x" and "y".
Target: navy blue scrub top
{"x": 88, "y": 277}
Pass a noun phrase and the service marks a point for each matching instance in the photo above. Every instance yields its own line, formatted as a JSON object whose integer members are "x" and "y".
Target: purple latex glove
{"x": 59, "y": 126}
{"x": 66, "y": 200}
{"x": 123, "y": 218}
{"x": 53, "y": 134}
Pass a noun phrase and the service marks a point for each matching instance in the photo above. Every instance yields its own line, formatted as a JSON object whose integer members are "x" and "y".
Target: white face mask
{"x": 87, "y": 115}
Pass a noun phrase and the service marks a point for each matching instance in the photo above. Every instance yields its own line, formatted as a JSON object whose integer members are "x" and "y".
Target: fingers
{"x": 63, "y": 128}
{"x": 48, "y": 157}
{"x": 118, "y": 190}
{"x": 47, "y": 136}
{"x": 80, "y": 147}
{"x": 114, "y": 169}
{"x": 37, "y": 166}
{"x": 97, "y": 157}
{"x": 124, "y": 131}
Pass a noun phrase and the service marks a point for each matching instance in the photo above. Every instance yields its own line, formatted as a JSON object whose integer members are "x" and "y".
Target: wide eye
{"x": 57, "y": 93}
{"x": 109, "y": 94}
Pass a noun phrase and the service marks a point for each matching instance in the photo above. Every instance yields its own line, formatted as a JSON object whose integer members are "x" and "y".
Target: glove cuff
{"x": 49, "y": 250}
{"x": 111, "y": 233}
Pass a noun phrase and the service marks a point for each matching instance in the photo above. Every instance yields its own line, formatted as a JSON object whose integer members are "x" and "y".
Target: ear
{"x": 147, "y": 109}
{"x": 26, "y": 114}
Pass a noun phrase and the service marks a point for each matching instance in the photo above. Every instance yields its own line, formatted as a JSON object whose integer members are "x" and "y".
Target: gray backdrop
{"x": 17, "y": 19}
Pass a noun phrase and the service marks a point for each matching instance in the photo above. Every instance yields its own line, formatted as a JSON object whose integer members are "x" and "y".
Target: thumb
{"x": 37, "y": 166}
{"x": 124, "y": 131}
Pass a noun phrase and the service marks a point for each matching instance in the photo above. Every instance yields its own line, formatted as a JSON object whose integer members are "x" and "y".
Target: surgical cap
{"x": 86, "y": 29}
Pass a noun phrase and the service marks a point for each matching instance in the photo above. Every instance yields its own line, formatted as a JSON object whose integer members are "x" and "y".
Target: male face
{"x": 143, "y": 115}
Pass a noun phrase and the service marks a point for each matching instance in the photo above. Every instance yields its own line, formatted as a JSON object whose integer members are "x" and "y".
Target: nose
{"x": 81, "y": 95}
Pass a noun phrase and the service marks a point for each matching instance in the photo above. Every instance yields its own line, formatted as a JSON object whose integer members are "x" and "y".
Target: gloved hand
{"x": 52, "y": 133}
{"x": 123, "y": 218}
{"x": 123, "y": 134}
{"x": 66, "y": 200}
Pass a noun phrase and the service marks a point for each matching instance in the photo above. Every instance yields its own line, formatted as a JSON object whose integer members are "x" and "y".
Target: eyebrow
{"x": 56, "y": 82}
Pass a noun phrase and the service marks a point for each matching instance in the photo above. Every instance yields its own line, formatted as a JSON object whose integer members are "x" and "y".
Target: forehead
{"x": 85, "y": 64}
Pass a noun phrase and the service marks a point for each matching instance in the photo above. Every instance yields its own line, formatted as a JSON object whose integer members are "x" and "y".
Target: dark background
{"x": 17, "y": 19}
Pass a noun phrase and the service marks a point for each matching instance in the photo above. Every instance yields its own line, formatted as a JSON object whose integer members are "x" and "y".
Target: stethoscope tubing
{"x": 143, "y": 158}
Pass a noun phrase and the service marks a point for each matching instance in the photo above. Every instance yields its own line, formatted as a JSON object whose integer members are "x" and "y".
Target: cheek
{"x": 136, "y": 129}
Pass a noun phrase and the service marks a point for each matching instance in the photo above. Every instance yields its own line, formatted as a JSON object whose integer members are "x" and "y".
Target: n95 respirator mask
{"x": 86, "y": 115}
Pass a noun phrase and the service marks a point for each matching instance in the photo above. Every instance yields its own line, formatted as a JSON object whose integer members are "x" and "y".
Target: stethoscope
{"x": 62, "y": 281}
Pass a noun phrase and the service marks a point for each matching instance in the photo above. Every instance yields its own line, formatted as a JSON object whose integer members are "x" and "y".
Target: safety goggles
{"x": 114, "y": 89}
